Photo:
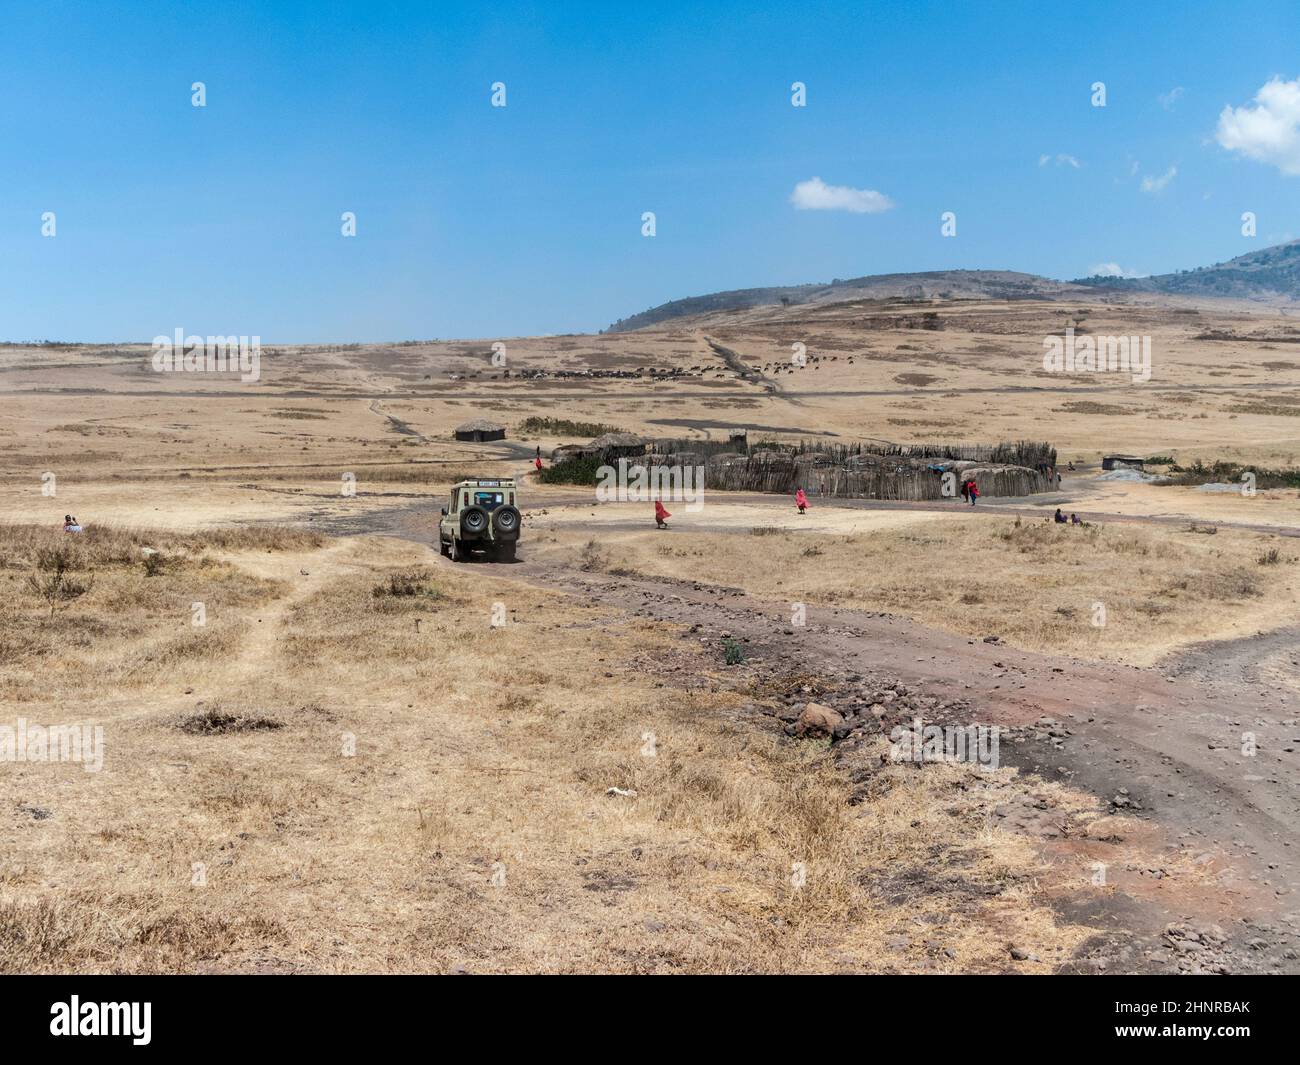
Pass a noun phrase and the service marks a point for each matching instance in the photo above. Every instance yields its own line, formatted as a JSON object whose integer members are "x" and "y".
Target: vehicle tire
{"x": 443, "y": 546}
{"x": 506, "y": 551}
{"x": 505, "y": 520}
{"x": 474, "y": 522}
{"x": 455, "y": 552}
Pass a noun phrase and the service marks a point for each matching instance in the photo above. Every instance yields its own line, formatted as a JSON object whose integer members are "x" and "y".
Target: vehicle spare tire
{"x": 474, "y": 522}
{"x": 506, "y": 522}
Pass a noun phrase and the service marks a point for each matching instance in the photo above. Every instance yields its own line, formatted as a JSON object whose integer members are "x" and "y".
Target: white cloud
{"x": 1061, "y": 160}
{"x": 1268, "y": 130}
{"x": 816, "y": 195}
{"x": 1111, "y": 270}
{"x": 1168, "y": 99}
{"x": 1157, "y": 184}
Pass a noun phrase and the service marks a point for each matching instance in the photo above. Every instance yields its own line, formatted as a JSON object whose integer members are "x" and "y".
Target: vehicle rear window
{"x": 491, "y": 500}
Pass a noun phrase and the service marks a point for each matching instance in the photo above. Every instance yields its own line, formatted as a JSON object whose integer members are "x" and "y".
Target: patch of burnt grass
{"x": 214, "y": 720}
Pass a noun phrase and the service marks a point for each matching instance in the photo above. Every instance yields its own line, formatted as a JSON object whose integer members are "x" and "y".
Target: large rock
{"x": 817, "y": 720}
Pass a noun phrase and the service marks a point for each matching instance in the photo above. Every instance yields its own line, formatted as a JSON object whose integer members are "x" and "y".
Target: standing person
{"x": 974, "y": 493}
{"x": 537, "y": 463}
{"x": 1058, "y": 478}
{"x": 800, "y": 500}
{"x": 661, "y": 515}
{"x": 965, "y": 491}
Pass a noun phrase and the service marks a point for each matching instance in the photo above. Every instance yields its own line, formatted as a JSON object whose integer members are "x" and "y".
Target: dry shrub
{"x": 56, "y": 579}
{"x": 407, "y": 584}
{"x": 214, "y": 720}
{"x": 592, "y": 559}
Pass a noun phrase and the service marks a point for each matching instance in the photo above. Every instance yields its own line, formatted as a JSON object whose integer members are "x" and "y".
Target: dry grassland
{"x": 471, "y": 828}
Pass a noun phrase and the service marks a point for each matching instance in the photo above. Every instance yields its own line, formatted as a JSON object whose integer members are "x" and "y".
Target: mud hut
{"x": 480, "y": 430}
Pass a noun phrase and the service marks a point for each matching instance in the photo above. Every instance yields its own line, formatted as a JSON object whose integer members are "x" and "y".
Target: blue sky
{"x": 475, "y": 221}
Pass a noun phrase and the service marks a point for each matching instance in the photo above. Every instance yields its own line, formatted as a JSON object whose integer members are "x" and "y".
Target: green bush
{"x": 571, "y": 471}
{"x": 1230, "y": 473}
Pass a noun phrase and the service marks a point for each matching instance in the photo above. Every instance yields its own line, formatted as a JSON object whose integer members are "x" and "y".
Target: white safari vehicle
{"x": 481, "y": 515}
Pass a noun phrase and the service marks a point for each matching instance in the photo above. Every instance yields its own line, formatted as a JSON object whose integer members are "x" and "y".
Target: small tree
{"x": 55, "y": 578}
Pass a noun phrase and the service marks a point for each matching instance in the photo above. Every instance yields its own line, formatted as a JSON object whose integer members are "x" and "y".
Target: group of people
{"x": 1060, "y": 518}
{"x": 970, "y": 491}
{"x": 70, "y": 524}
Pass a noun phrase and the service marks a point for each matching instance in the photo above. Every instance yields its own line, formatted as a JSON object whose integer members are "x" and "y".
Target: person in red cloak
{"x": 800, "y": 500}
{"x": 661, "y": 516}
{"x": 538, "y": 463}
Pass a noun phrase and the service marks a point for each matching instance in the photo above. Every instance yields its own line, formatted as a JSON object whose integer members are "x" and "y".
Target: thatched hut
{"x": 479, "y": 430}
{"x": 628, "y": 442}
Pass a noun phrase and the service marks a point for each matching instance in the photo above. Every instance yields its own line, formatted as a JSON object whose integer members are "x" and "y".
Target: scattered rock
{"x": 817, "y": 720}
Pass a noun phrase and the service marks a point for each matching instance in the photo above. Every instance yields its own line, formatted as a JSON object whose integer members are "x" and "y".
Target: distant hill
{"x": 1005, "y": 284}
{"x": 1268, "y": 274}
{"x": 1271, "y": 274}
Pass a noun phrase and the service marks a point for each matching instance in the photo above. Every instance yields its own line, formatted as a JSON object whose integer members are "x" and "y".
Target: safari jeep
{"x": 480, "y": 516}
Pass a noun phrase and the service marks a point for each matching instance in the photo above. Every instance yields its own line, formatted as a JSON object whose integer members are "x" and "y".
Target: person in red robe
{"x": 800, "y": 500}
{"x": 661, "y": 516}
